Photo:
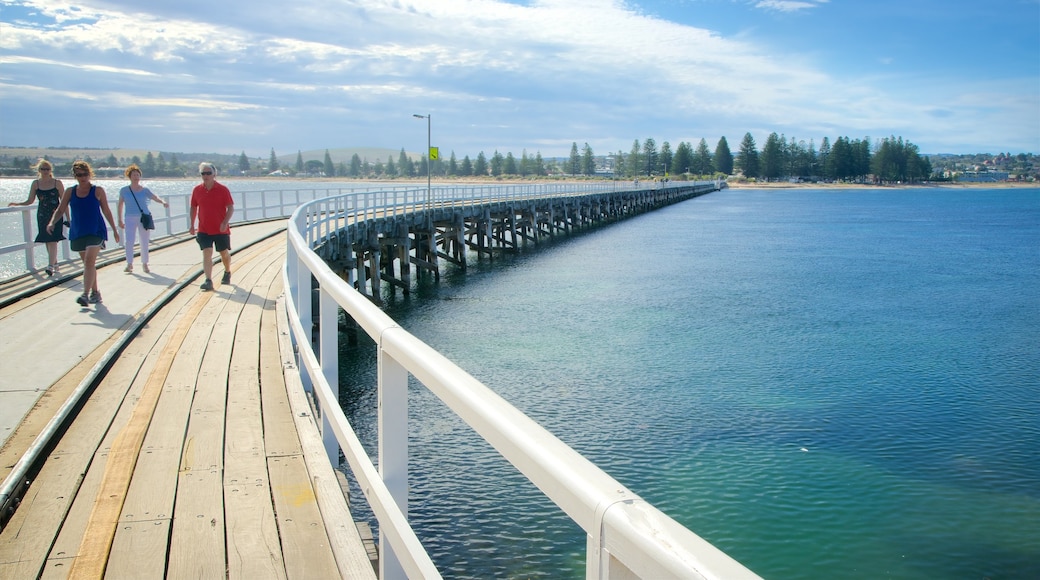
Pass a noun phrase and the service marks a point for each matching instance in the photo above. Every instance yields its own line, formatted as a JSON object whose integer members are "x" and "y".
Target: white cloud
{"x": 789, "y": 5}
{"x": 549, "y": 71}
{"x": 42, "y": 62}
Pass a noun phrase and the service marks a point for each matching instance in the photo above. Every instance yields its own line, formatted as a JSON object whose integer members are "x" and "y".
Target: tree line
{"x": 890, "y": 159}
{"x": 151, "y": 165}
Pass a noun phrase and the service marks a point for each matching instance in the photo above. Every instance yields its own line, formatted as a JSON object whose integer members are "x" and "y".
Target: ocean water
{"x": 824, "y": 384}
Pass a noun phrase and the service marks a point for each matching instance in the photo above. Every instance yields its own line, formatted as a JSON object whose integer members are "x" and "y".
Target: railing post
{"x": 30, "y": 257}
{"x": 393, "y": 449}
{"x": 328, "y": 349}
{"x": 303, "y": 314}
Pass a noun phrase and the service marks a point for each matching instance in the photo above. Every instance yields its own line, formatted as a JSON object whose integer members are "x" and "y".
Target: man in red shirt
{"x": 211, "y": 203}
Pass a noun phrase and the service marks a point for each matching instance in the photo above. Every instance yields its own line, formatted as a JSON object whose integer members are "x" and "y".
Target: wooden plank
{"x": 154, "y": 485}
{"x": 134, "y": 367}
{"x": 92, "y": 557}
{"x": 31, "y": 531}
{"x": 63, "y": 553}
{"x": 280, "y": 436}
{"x": 346, "y": 543}
{"x": 38, "y": 522}
{"x": 340, "y": 544}
{"x": 305, "y": 544}
{"x": 252, "y": 532}
{"x": 197, "y": 542}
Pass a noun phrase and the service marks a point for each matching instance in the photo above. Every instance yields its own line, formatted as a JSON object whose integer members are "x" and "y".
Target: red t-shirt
{"x": 212, "y": 204}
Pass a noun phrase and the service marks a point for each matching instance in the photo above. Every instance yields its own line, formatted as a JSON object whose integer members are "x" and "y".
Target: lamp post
{"x": 429, "y": 162}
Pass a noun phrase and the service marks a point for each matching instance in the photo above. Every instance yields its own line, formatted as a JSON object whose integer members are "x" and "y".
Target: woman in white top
{"x": 133, "y": 201}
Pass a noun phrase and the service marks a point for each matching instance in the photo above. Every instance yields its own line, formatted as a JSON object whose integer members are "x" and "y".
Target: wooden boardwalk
{"x": 196, "y": 455}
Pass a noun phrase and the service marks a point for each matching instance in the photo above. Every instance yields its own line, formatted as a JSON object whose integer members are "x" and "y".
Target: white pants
{"x": 132, "y": 223}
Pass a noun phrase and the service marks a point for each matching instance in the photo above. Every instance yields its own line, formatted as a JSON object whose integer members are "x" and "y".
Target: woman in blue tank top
{"x": 88, "y": 234}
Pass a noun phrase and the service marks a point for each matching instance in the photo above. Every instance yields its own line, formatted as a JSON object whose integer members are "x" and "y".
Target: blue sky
{"x": 225, "y": 77}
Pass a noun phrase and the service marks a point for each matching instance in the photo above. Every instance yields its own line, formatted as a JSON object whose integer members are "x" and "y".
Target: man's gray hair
{"x": 207, "y": 165}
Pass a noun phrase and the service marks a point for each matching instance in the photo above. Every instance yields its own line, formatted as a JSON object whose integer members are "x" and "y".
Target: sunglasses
{"x": 206, "y": 173}
{"x": 42, "y": 169}
{"x": 81, "y": 174}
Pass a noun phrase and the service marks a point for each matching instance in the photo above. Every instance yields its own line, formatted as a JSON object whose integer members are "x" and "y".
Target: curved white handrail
{"x": 626, "y": 535}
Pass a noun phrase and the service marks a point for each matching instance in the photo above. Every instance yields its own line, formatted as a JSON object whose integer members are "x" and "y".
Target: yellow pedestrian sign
{"x": 434, "y": 153}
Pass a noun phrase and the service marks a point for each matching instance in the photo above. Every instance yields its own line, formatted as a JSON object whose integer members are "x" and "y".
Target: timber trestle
{"x": 367, "y": 252}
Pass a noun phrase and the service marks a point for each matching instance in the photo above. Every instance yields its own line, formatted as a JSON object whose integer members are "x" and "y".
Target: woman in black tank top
{"x": 49, "y": 191}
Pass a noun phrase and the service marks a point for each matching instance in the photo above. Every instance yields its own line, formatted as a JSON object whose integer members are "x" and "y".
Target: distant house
{"x": 983, "y": 176}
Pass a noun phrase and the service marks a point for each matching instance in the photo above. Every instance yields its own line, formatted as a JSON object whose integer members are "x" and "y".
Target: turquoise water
{"x": 824, "y": 384}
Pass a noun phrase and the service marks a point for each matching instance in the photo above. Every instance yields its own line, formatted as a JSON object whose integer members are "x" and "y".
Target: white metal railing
{"x": 254, "y": 205}
{"x": 626, "y": 536}
{"x": 249, "y": 206}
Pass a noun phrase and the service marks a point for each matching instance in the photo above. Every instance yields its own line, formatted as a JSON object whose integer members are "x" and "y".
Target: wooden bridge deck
{"x": 194, "y": 456}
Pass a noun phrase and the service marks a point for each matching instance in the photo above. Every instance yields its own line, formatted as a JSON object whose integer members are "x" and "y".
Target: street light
{"x": 429, "y": 162}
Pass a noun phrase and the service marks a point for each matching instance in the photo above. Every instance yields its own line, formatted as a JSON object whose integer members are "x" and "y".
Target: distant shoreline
{"x": 939, "y": 184}
{"x": 732, "y": 184}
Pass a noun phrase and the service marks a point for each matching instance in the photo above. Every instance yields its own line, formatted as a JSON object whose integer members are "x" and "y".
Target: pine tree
{"x": 574, "y": 167}
{"x": 664, "y": 163}
{"x": 330, "y": 168}
{"x": 702, "y": 159}
{"x": 682, "y": 162}
{"x": 772, "y": 157}
{"x": 723, "y": 158}
{"x": 634, "y": 163}
{"x": 650, "y": 158}
{"x": 588, "y": 161}
{"x": 272, "y": 163}
{"x": 453, "y": 164}
{"x": 509, "y": 167}
{"x": 405, "y": 167}
{"x": 747, "y": 157}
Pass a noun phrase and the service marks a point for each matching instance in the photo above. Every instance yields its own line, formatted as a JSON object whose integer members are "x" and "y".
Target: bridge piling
{"x": 385, "y": 249}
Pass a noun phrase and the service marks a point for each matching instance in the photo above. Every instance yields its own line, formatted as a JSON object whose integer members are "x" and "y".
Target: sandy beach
{"x": 733, "y": 184}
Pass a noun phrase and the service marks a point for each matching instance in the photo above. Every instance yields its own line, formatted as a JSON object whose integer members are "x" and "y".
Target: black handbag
{"x": 146, "y": 218}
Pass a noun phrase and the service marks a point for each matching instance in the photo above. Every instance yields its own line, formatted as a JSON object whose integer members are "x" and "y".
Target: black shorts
{"x": 81, "y": 244}
{"x": 221, "y": 242}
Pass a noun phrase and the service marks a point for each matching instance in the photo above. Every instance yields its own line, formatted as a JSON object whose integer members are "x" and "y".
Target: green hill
{"x": 67, "y": 154}
{"x": 345, "y": 154}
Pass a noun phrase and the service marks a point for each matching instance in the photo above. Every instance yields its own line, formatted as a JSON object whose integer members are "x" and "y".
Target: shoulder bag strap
{"x": 131, "y": 190}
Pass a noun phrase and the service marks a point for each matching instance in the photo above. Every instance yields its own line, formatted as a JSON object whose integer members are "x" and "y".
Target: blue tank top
{"x": 86, "y": 216}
